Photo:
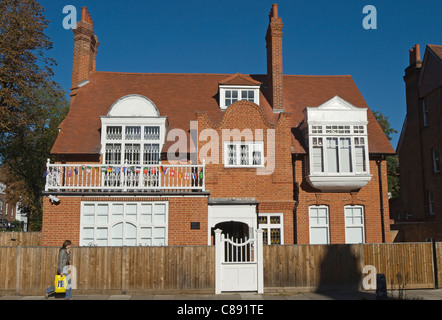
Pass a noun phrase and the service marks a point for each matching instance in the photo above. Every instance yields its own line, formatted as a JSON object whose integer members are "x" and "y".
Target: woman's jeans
{"x": 68, "y": 289}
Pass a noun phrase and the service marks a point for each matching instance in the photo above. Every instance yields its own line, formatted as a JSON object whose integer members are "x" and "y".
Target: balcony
{"x": 129, "y": 178}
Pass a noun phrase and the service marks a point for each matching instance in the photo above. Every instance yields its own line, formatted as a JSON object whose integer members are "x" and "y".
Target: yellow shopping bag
{"x": 60, "y": 284}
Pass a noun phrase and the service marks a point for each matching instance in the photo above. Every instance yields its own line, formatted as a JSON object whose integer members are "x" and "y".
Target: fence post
{"x": 259, "y": 260}
{"x": 123, "y": 271}
{"x": 435, "y": 270}
{"x": 219, "y": 257}
{"x": 17, "y": 270}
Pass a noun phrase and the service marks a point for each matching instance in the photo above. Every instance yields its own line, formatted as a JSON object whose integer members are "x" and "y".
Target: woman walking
{"x": 64, "y": 261}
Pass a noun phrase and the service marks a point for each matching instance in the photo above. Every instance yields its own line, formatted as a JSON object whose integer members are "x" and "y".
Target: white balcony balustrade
{"x": 147, "y": 178}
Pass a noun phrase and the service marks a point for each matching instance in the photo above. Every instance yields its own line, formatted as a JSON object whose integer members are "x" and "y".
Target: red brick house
{"x": 418, "y": 211}
{"x": 164, "y": 159}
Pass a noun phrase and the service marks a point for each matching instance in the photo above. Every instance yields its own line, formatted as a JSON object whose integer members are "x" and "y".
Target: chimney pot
{"x": 275, "y": 10}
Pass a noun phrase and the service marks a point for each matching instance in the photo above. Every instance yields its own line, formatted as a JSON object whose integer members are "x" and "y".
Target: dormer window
{"x": 238, "y": 87}
{"x": 133, "y": 133}
{"x": 336, "y": 135}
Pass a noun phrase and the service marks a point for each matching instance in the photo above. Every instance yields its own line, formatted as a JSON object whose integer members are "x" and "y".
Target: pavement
{"x": 428, "y": 294}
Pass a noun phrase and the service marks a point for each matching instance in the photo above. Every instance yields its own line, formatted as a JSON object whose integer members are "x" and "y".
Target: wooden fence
{"x": 20, "y": 239}
{"x": 318, "y": 267}
{"x": 116, "y": 270}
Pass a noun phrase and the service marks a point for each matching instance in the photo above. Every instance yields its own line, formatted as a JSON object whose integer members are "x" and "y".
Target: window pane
{"x": 160, "y": 213}
{"x": 151, "y": 133}
{"x": 131, "y": 212}
{"x": 317, "y": 159}
{"x": 146, "y": 213}
{"x": 354, "y": 235}
{"x": 332, "y": 155}
{"x": 133, "y": 133}
{"x": 117, "y": 234}
{"x": 88, "y": 213}
{"x": 319, "y": 235}
{"x": 88, "y": 236}
{"x": 102, "y": 214}
{"x": 345, "y": 155}
{"x": 130, "y": 235}
{"x": 117, "y": 212}
{"x": 113, "y": 133}
{"x": 360, "y": 159}
{"x": 132, "y": 154}
{"x": 244, "y": 160}
{"x": 231, "y": 154}
{"x": 112, "y": 153}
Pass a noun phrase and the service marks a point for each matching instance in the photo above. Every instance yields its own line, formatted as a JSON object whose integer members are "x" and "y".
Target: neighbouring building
{"x": 165, "y": 159}
{"x": 418, "y": 211}
{"x": 9, "y": 211}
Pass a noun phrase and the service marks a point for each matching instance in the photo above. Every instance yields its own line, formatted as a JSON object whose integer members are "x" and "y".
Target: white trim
{"x": 349, "y": 226}
{"x": 269, "y": 225}
{"x": 319, "y": 226}
{"x": 222, "y": 93}
{"x": 225, "y": 213}
{"x": 125, "y": 220}
{"x": 251, "y": 145}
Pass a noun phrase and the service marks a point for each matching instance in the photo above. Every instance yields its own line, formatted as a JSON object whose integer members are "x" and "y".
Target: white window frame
{"x": 125, "y": 219}
{"x": 349, "y": 226}
{"x": 253, "y": 146}
{"x": 319, "y": 226}
{"x": 318, "y": 138}
{"x": 268, "y": 226}
{"x": 240, "y": 89}
{"x": 125, "y": 142}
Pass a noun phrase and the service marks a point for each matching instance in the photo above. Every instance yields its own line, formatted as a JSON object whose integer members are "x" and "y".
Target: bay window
{"x": 341, "y": 152}
{"x": 337, "y": 139}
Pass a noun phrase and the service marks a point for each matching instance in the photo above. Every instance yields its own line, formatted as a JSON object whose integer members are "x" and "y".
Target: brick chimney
{"x": 411, "y": 78}
{"x": 274, "y": 60}
{"x": 85, "y": 50}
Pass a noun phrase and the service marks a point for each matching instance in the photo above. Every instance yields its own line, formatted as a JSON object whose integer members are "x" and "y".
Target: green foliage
{"x": 392, "y": 161}
{"x": 31, "y": 105}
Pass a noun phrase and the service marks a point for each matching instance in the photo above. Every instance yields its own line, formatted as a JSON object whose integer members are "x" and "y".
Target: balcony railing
{"x": 149, "y": 178}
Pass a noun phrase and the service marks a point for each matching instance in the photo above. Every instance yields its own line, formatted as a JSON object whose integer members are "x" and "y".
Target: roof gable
{"x": 239, "y": 79}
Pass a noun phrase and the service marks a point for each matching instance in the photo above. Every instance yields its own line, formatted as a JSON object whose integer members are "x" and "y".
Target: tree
{"x": 23, "y": 64}
{"x": 27, "y": 149}
{"x": 392, "y": 161}
{"x": 31, "y": 104}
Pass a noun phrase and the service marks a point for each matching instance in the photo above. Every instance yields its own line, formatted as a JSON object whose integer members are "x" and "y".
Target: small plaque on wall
{"x": 194, "y": 225}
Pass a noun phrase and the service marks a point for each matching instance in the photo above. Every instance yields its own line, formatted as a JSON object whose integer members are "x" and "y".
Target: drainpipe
{"x": 296, "y": 198}
{"x": 381, "y": 197}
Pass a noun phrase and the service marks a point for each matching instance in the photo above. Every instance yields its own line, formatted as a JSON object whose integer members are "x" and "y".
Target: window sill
{"x": 338, "y": 183}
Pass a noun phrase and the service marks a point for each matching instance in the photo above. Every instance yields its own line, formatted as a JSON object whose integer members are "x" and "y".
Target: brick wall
{"x": 368, "y": 197}
{"x": 62, "y": 221}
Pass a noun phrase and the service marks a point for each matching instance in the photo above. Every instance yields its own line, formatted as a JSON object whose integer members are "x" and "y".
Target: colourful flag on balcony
{"x": 201, "y": 175}
{"x": 172, "y": 173}
{"x": 103, "y": 169}
{"x": 145, "y": 170}
{"x": 138, "y": 169}
{"x": 76, "y": 171}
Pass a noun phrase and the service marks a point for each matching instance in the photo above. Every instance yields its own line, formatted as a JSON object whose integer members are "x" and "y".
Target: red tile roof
{"x": 180, "y": 96}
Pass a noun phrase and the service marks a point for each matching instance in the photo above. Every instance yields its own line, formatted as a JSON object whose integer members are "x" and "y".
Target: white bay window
{"x": 337, "y": 139}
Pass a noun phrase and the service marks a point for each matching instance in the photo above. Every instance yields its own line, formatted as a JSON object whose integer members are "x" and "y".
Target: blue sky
{"x": 195, "y": 36}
